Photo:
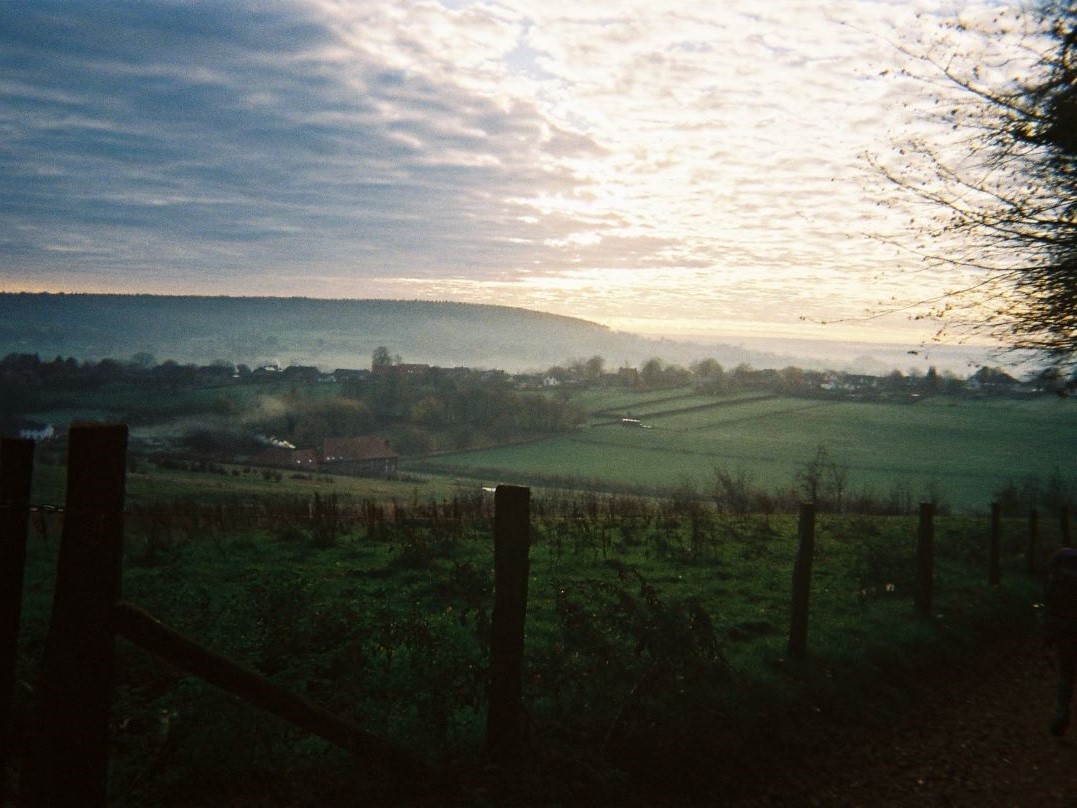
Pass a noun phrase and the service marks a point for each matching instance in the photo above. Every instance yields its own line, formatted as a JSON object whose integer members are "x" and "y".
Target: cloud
{"x": 210, "y": 127}
{"x": 639, "y": 155}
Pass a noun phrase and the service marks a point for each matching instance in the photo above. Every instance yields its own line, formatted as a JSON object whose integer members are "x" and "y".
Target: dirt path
{"x": 974, "y": 734}
{"x": 979, "y": 738}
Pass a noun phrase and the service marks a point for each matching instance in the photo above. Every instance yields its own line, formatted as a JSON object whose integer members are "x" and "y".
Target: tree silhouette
{"x": 381, "y": 359}
{"x": 1002, "y": 184}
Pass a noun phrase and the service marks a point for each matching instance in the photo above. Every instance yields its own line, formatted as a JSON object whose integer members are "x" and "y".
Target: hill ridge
{"x": 328, "y": 332}
{"x": 335, "y": 333}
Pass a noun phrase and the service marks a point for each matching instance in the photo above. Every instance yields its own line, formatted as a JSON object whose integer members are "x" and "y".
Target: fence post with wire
{"x": 68, "y": 762}
{"x": 16, "y": 476}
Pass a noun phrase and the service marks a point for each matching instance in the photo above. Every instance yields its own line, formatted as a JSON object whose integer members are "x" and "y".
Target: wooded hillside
{"x": 326, "y": 333}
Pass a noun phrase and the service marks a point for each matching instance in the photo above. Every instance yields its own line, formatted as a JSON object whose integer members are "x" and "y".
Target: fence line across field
{"x": 67, "y": 763}
{"x": 68, "y": 760}
{"x": 417, "y": 520}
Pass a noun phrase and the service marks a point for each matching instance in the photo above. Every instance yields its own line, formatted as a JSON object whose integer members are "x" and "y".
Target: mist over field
{"x": 334, "y": 334}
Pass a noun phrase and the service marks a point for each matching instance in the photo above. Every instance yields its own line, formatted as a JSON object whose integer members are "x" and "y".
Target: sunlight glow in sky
{"x": 676, "y": 168}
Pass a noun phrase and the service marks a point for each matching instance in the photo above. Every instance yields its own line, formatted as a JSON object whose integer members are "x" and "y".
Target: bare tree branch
{"x": 998, "y": 199}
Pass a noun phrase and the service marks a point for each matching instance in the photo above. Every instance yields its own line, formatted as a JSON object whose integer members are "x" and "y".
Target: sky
{"x": 684, "y": 169}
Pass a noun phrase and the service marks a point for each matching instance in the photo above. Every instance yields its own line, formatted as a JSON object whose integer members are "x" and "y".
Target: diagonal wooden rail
{"x": 141, "y": 628}
{"x": 68, "y": 760}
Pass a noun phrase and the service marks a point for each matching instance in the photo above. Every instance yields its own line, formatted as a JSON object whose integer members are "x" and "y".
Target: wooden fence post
{"x": 512, "y": 538}
{"x": 1064, "y": 523}
{"x": 1033, "y": 540}
{"x": 69, "y": 757}
{"x": 925, "y": 560}
{"x": 798, "y": 620}
{"x": 994, "y": 571}
{"x": 16, "y": 476}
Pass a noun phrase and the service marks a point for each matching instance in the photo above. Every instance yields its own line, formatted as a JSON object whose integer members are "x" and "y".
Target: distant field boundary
{"x": 953, "y": 455}
{"x": 539, "y": 479}
{"x": 682, "y": 410}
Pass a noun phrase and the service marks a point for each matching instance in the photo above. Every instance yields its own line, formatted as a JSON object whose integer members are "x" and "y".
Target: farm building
{"x": 351, "y": 374}
{"x": 47, "y": 432}
{"x": 365, "y": 455}
{"x": 402, "y": 369}
{"x": 306, "y": 374}
{"x": 848, "y": 382}
{"x": 286, "y": 458}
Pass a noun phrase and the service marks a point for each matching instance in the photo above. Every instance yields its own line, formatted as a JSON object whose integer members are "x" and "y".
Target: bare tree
{"x": 1000, "y": 186}
{"x": 823, "y": 480}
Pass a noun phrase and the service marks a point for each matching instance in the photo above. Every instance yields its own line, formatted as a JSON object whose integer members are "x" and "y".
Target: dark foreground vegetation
{"x": 656, "y": 664}
{"x": 656, "y": 656}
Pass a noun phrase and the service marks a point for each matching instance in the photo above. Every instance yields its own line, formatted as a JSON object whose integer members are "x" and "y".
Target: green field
{"x": 957, "y": 450}
{"x": 606, "y": 401}
{"x": 656, "y": 625}
{"x": 650, "y": 634}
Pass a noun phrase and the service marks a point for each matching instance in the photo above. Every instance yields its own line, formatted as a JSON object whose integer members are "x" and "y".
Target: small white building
{"x": 37, "y": 435}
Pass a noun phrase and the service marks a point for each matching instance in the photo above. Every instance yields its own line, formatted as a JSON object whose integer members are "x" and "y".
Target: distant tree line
{"x": 419, "y": 408}
{"x": 708, "y": 376}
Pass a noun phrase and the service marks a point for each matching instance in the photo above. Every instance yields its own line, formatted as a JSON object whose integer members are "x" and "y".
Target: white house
{"x": 38, "y": 435}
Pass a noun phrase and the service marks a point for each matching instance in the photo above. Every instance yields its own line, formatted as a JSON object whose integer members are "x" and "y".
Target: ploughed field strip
{"x": 719, "y": 415}
{"x": 686, "y": 404}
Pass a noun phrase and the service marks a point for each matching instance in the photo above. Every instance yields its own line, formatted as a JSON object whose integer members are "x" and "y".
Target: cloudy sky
{"x": 676, "y": 168}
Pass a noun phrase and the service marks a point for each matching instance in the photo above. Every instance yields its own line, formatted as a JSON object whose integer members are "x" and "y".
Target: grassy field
{"x": 148, "y": 483}
{"x": 650, "y": 633}
{"x": 615, "y": 402}
{"x": 961, "y": 450}
{"x": 656, "y": 625}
